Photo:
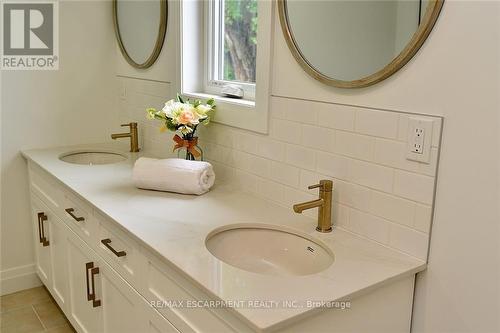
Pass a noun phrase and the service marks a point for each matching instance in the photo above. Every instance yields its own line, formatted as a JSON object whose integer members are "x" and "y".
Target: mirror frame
{"x": 418, "y": 39}
{"x": 162, "y": 31}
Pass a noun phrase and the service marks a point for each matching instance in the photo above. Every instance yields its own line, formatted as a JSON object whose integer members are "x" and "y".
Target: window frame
{"x": 214, "y": 57}
{"x": 242, "y": 113}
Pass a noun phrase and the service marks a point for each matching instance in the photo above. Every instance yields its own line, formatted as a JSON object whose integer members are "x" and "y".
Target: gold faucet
{"x": 324, "y": 203}
{"x": 134, "y": 140}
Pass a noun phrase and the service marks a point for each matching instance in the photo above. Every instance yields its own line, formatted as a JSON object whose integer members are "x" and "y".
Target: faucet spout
{"x": 300, "y": 207}
{"x": 324, "y": 204}
{"x": 134, "y": 141}
{"x": 120, "y": 135}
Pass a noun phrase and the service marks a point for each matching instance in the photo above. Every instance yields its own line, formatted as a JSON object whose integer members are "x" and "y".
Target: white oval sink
{"x": 92, "y": 157}
{"x": 269, "y": 250}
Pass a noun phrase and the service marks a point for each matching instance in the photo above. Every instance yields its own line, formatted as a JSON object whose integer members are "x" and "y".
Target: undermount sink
{"x": 269, "y": 250}
{"x": 86, "y": 157}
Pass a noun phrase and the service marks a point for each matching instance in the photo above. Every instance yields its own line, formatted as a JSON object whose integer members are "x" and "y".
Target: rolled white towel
{"x": 173, "y": 175}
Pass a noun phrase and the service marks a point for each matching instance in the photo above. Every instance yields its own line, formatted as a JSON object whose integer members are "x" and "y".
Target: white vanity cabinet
{"x": 104, "y": 279}
{"x": 42, "y": 238}
{"x": 94, "y": 297}
{"x": 101, "y": 301}
{"x": 50, "y": 250}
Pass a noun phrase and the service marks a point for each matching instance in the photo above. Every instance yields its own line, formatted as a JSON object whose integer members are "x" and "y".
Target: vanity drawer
{"x": 46, "y": 188}
{"x": 119, "y": 250}
{"x": 164, "y": 285}
{"x": 78, "y": 215}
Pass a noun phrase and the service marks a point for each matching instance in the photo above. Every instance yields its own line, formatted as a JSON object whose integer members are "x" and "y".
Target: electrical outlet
{"x": 419, "y": 139}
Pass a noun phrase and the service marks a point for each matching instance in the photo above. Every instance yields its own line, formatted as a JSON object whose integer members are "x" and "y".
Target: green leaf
{"x": 170, "y": 125}
{"x": 179, "y": 98}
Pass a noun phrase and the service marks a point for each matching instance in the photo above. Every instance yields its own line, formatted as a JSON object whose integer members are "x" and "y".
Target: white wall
{"x": 40, "y": 109}
{"x": 456, "y": 75}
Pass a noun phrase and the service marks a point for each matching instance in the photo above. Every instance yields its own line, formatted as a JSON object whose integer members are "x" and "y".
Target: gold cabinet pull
{"x": 107, "y": 243}
{"x": 76, "y": 218}
{"x": 41, "y": 231}
{"x": 91, "y": 295}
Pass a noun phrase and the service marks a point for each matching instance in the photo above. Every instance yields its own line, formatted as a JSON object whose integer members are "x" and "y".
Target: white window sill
{"x": 234, "y": 112}
{"x": 219, "y": 99}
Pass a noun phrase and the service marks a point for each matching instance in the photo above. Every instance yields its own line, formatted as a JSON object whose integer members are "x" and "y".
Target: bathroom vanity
{"x": 119, "y": 259}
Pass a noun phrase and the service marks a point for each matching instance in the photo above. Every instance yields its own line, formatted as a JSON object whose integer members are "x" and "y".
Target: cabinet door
{"x": 58, "y": 254}
{"x": 154, "y": 322}
{"x": 121, "y": 304}
{"x": 85, "y": 313}
{"x": 42, "y": 240}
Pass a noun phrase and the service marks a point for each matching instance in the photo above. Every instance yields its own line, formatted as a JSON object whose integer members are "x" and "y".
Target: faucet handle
{"x": 132, "y": 124}
{"x": 324, "y": 185}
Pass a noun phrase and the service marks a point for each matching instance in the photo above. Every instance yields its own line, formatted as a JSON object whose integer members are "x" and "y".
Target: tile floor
{"x": 32, "y": 311}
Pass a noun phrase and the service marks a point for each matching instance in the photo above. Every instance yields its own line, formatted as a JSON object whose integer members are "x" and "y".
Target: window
{"x": 231, "y": 27}
{"x": 227, "y": 42}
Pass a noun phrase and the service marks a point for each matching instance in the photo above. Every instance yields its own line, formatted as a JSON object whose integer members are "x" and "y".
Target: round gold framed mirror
{"x": 140, "y": 28}
{"x": 355, "y": 43}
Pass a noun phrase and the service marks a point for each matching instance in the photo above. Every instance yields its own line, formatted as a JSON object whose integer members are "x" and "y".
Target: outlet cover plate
{"x": 419, "y": 133}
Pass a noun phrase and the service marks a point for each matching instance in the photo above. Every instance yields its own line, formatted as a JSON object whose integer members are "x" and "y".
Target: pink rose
{"x": 188, "y": 117}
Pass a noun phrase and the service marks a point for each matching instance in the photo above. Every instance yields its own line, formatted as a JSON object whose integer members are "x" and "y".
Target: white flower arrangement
{"x": 183, "y": 115}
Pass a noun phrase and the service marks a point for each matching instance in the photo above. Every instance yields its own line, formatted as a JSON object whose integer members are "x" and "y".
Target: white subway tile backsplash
{"x": 301, "y": 157}
{"x": 271, "y": 149}
{"x": 393, "y": 153}
{"x": 436, "y": 135}
{"x": 271, "y": 190}
{"x": 414, "y": 186}
{"x": 318, "y": 137}
{"x": 301, "y": 111}
{"x": 308, "y": 178}
{"x": 340, "y": 215}
{"x": 335, "y": 116}
{"x": 278, "y": 108}
{"x": 430, "y": 168}
{"x": 240, "y": 160}
{"x": 423, "y": 218}
{"x": 392, "y": 208}
{"x": 377, "y": 192}
{"x": 245, "y": 142}
{"x": 377, "y": 123}
{"x": 222, "y": 135}
{"x": 287, "y": 131}
{"x": 369, "y": 226}
{"x": 246, "y": 180}
{"x": 403, "y": 127}
{"x": 260, "y": 166}
{"x": 352, "y": 195}
{"x": 408, "y": 240}
{"x": 332, "y": 165}
{"x": 371, "y": 175}
{"x": 285, "y": 174}
{"x": 222, "y": 171}
{"x": 354, "y": 145}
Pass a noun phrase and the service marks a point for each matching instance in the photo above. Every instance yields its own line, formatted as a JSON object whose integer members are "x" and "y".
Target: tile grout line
{"x": 39, "y": 319}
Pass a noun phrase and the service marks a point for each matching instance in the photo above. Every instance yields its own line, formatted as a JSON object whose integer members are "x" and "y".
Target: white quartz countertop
{"x": 175, "y": 227}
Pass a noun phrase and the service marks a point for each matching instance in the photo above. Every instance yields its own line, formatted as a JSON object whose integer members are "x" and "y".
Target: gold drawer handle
{"x": 41, "y": 230}
{"x": 107, "y": 243}
{"x": 93, "y": 272}
{"x": 76, "y": 218}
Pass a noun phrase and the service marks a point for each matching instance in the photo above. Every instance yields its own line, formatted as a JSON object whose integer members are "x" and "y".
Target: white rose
{"x": 172, "y": 107}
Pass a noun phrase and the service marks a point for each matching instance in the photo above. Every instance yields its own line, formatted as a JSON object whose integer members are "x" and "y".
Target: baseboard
{"x": 18, "y": 278}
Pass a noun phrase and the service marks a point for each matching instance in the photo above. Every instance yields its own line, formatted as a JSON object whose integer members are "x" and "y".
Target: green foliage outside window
{"x": 240, "y": 40}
